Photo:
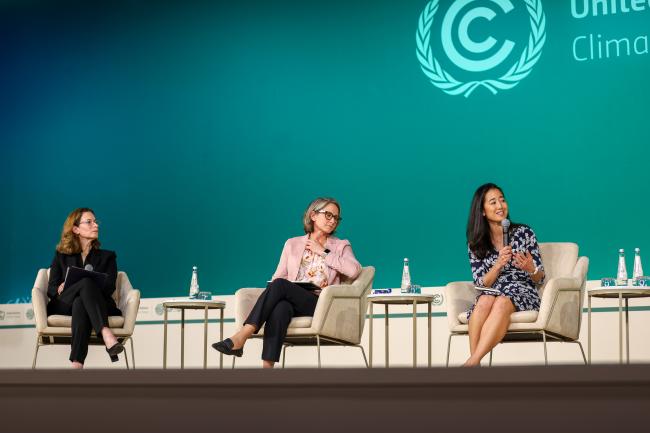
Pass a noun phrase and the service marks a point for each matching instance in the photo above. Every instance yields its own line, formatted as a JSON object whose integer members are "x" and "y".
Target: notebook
{"x": 488, "y": 290}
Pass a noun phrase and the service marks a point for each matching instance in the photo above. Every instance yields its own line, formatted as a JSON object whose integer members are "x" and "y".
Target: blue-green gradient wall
{"x": 199, "y": 132}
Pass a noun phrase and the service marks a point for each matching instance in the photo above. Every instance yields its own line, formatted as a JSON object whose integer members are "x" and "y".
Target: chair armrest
{"x": 325, "y": 299}
{"x": 130, "y": 312}
{"x": 39, "y": 300}
{"x": 245, "y": 300}
{"x": 341, "y": 308}
{"x": 561, "y": 306}
{"x": 341, "y": 311}
{"x": 460, "y": 297}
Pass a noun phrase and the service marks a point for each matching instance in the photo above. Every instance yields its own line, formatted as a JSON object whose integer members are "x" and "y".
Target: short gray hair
{"x": 315, "y": 206}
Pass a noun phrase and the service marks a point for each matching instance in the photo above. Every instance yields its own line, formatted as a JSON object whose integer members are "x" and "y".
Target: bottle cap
{"x": 194, "y": 268}
{"x": 621, "y": 250}
{"x": 637, "y": 250}
{"x": 405, "y": 259}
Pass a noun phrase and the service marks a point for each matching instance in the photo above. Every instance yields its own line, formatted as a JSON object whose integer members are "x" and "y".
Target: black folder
{"x": 75, "y": 274}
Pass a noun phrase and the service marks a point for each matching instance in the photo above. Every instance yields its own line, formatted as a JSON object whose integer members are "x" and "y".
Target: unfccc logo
{"x": 477, "y": 59}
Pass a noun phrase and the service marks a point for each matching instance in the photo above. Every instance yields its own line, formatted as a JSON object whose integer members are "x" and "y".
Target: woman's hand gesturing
{"x": 315, "y": 247}
{"x": 525, "y": 262}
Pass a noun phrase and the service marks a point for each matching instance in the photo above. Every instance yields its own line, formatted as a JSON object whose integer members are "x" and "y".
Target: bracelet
{"x": 534, "y": 272}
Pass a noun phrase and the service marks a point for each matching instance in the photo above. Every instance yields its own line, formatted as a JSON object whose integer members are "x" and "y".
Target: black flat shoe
{"x": 225, "y": 347}
{"x": 115, "y": 350}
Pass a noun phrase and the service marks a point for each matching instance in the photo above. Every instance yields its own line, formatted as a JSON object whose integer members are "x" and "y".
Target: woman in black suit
{"x": 88, "y": 304}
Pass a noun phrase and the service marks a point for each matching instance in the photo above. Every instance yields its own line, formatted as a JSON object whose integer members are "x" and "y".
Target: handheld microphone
{"x": 88, "y": 267}
{"x": 505, "y": 224}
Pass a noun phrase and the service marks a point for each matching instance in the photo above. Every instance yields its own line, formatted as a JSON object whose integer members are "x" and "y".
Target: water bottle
{"x": 638, "y": 269}
{"x": 194, "y": 284}
{"x": 621, "y": 275}
{"x": 406, "y": 277}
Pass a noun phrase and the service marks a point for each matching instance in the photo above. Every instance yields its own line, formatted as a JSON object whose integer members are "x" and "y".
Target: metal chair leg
{"x": 233, "y": 362}
{"x": 318, "y": 349}
{"x": 545, "y": 353}
{"x": 36, "y": 353}
{"x": 584, "y": 358}
{"x": 490, "y": 364}
{"x": 284, "y": 354}
{"x": 363, "y": 352}
{"x": 448, "y": 348}
{"x": 126, "y": 355}
{"x": 132, "y": 352}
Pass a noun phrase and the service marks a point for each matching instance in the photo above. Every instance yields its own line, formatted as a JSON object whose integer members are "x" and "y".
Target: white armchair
{"x": 56, "y": 329}
{"x": 339, "y": 317}
{"x": 560, "y": 314}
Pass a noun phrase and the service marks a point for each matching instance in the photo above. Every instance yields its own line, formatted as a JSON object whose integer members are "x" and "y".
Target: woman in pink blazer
{"x": 318, "y": 257}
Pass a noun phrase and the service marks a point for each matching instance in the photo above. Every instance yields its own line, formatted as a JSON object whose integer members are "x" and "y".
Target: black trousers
{"x": 87, "y": 305}
{"x": 278, "y": 304}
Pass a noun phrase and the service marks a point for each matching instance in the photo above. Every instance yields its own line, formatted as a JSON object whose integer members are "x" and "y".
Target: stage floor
{"x": 554, "y": 399}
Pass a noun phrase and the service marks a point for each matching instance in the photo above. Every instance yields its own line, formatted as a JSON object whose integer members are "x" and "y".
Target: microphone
{"x": 505, "y": 224}
{"x": 88, "y": 267}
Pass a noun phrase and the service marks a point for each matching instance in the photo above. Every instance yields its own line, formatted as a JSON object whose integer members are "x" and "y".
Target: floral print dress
{"x": 511, "y": 282}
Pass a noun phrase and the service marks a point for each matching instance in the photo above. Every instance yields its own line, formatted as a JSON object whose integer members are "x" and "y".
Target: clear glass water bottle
{"x": 621, "y": 274}
{"x": 194, "y": 284}
{"x": 406, "y": 277}
{"x": 638, "y": 269}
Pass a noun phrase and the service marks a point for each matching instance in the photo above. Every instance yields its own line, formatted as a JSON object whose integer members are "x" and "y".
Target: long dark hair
{"x": 478, "y": 229}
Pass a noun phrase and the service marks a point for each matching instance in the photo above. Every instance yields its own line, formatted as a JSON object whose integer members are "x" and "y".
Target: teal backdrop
{"x": 200, "y": 131}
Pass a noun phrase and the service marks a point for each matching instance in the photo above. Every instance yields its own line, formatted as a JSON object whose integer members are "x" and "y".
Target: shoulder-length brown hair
{"x": 69, "y": 243}
{"x": 316, "y": 206}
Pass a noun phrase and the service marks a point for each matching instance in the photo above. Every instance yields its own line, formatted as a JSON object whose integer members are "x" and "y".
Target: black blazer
{"x": 102, "y": 260}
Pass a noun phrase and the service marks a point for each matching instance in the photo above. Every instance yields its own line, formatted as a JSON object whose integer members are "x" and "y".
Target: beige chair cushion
{"x": 516, "y": 317}
{"x": 297, "y": 324}
{"x": 58, "y": 320}
{"x": 301, "y": 322}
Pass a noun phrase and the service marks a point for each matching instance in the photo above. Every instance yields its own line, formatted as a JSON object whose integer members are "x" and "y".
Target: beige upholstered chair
{"x": 560, "y": 313}
{"x": 56, "y": 329}
{"x": 338, "y": 320}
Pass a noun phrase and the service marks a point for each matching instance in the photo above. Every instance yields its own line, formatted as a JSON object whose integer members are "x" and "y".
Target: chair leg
{"x": 318, "y": 349}
{"x": 284, "y": 354}
{"x": 36, "y": 352}
{"x": 545, "y": 353}
{"x": 363, "y": 352}
{"x": 584, "y": 358}
{"x": 448, "y": 348}
{"x": 132, "y": 352}
{"x": 126, "y": 356}
{"x": 233, "y": 362}
{"x": 490, "y": 364}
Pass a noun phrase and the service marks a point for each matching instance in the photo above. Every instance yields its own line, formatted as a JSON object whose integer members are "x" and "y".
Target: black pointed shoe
{"x": 115, "y": 350}
{"x": 225, "y": 347}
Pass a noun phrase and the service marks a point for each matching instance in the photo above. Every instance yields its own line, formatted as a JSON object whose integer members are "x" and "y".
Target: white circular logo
{"x": 455, "y": 29}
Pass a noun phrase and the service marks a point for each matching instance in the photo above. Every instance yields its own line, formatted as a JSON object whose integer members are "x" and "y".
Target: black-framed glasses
{"x": 329, "y": 215}
{"x": 89, "y": 222}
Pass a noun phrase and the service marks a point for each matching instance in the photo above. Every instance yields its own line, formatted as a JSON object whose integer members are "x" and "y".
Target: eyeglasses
{"x": 329, "y": 215}
{"x": 89, "y": 222}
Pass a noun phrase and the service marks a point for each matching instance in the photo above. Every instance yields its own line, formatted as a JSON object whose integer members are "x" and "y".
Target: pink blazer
{"x": 339, "y": 261}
